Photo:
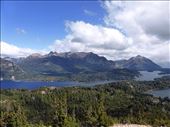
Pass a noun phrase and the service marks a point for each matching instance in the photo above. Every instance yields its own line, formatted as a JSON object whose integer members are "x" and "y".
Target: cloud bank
{"x": 14, "y": 51}
{"x": 148, "y": 23}
{"x": 87, "y": 37}
{"x": 131, "y": 28}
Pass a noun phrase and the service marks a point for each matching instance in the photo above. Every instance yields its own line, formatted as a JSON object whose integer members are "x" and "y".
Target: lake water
{"x": 160, "y": 93}
{"x": 149, "y": 76}
{"x": 34, "y": 85}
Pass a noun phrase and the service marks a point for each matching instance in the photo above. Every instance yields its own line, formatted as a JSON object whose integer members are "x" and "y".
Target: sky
{"x": 37, "y": 24}
{"x": 114, "y": 29}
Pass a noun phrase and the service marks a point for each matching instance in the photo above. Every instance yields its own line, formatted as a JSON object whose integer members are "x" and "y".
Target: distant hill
{"x": 79, "y": 66}
{"x": 66, "y": 63}
{"x": 139, "y": 63}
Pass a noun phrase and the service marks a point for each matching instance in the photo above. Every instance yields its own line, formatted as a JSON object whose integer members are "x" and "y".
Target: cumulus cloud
{"x": 94, "y": 38}
{"x": 14, "y": 51}
{"x": 111, "y": 42}
{"x": 131, "y": 28}
{"x": 139, "y": 16}
{"x": 97, "y": 36}
{"x": 146, "y": 22}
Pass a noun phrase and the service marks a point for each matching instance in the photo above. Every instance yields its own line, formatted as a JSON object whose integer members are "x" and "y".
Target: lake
{"x": 160, "y": 93}
{"x": 36, "y": 85}
{"x": 149, "y": 76}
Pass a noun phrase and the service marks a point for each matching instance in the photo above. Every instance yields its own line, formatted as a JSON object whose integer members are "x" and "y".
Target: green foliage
{"x": 15, "y": 118}
{"x": 120, "y": 102}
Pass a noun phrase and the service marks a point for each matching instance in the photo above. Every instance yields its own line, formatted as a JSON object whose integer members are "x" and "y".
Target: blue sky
{"x": 38, "y": 24}
{"x": 114, "y": 29}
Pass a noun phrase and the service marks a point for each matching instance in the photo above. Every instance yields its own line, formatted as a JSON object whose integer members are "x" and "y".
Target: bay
{"x": 149, "y": 76}
{"x": 160, "y": 93}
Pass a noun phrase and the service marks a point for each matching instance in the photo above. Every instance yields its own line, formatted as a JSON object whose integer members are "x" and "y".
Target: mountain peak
{"x": 141, "y": 63}
{"x": 78, "y": 54}
{"x": 70, "y": 54}
{"x": 35, "y": 55}
{"x": 139, "y": 56}
{"x": 52, "y": 53}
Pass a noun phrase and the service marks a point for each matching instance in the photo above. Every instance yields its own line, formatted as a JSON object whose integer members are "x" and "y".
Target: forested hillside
{"x": 103, "y": 105}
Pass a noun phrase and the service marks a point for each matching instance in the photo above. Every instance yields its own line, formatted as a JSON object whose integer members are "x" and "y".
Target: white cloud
{"x": 131, "y": 28}
{"x": 14, "y": 51}
{"x": 147, "y": 23}
{"x": 97, "y": 36}
{"x": 87, "y": 37}
{"x": 138, "y": 17}
{"x": 20, "y": 31}
{"x": 111, "y": 43}
{"x": 89, "y": 13}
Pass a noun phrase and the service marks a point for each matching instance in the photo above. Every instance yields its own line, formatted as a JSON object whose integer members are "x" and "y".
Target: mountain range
{"x": 79, "y": 66}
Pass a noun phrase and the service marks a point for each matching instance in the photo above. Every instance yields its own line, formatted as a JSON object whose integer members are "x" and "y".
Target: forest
{"x": 97, "y": 106}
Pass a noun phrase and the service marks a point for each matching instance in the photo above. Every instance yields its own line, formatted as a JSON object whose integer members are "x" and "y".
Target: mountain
{"x": 9, "y": 70}
{"x": 68, "y": 62}
{"x": 165, "y": 64}
{"x": 79, "y": 66}
{"x": 139, "y": 63}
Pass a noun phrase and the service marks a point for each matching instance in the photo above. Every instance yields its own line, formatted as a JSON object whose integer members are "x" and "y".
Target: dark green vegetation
{"x": 103, "y": 105}
{"x": 78, "y": 66}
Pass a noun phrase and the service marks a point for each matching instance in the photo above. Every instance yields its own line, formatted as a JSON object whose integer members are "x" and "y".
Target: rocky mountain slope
{"x": 73, "y": 66}
{"x": 139, "y": 63}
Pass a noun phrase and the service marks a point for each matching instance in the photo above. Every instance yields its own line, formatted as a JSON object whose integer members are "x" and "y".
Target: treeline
{"x": 103, "y": 105}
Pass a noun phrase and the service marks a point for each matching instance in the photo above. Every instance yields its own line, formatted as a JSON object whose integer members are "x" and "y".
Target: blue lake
{"x": 34, "y": 85}
{"x": 160, "y": 93}
{"x": 149, "y": 76}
